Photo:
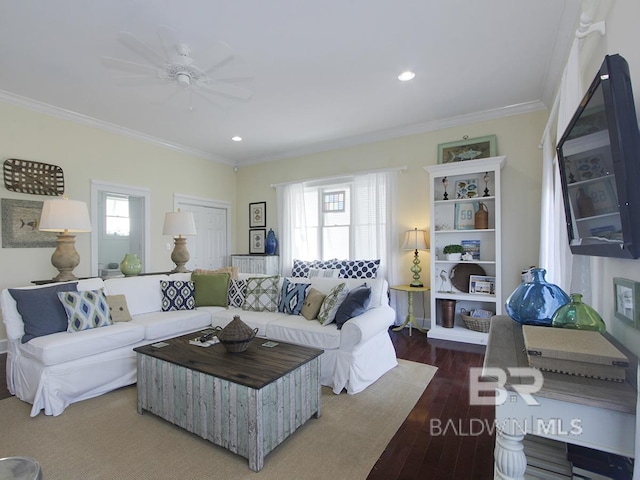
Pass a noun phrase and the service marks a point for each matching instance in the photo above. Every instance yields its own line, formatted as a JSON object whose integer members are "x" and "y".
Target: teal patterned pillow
{"x": 292, "y": 297}
{"x": 331, "y": 303}
{"x": 261, "y": 294}
{"x": 86, "y": 309}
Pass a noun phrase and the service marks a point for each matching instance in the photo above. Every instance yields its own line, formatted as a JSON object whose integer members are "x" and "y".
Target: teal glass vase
{"x": 578, "y": 315}
{"x": 535, "y": 302}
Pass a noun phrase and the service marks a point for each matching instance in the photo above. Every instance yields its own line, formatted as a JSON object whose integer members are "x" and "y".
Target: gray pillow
{"x": 41, "y": 311}
{"x": 355, "y": 304}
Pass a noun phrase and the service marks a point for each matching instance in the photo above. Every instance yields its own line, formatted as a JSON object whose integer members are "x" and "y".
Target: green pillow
{"x": 212, "y": 289}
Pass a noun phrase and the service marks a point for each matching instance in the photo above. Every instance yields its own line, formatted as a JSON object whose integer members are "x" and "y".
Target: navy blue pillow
{"x": 355, "y": 304}
{"x": 41, "y": 310}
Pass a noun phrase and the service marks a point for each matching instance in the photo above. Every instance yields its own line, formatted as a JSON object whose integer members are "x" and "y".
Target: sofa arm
{"x": 359, "y": 329}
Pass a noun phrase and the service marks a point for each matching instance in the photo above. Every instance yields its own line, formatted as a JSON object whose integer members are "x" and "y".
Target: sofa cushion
{"x": 330, "y": 304}
{"x": 177, "y": 295}
{"x": 161, "y": 325}
{"x": 259, "y": 320}
{"x": 87, "y": 309}
{"x": 324, "y": 272}
{"x": 118, "y": 308}
{"x": 41, "y": 311}
{"x": 232, "y": 271}
{"x": 312, "y": 303}
{"x": 292, "y": 297}
{"x": 143, "y": 293}
{"x": 212, "y": 289}
{"x": 63, "y": 347}
{"x": 261, "y": 294}
{"x": 237, "y": 292}
{"x": 295, "y": 329}
{"x": 353, "y": 305}
{"x": 359, "y": 268}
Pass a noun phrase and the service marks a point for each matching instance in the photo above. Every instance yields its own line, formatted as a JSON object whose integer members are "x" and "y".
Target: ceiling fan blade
{"x": 227, "y": 90}
{"x": 232, "y": 72}
{"x": 128, "y": 66}
{"x": 219, "y": 54}
{"x": 168, "y": 40}
{"x": 142, "y": 49}
{"x": 219, "y": 102}
{"x": 139, "y": 81}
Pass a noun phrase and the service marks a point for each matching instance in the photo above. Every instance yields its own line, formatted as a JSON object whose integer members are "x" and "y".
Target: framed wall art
{"x": 257, "y": 214}
{"x": 20, "y": 220}
{"x": 626, "y": 300}
{"x": 256, "y": 241}
{"x": 467, "y": 149}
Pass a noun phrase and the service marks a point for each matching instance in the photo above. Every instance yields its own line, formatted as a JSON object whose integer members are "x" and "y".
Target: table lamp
{"x": 415, "y": 240}
{"x": 180, "y": 224}
{"x": 65, "y": 216}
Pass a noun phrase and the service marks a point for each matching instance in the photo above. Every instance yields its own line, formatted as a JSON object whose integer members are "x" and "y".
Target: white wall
{"x": 86, "y": 153}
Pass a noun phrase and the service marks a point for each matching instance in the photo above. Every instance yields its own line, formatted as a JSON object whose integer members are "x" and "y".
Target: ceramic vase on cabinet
{"x": 535, "y": 302}
{"x": 130, "y": 265}
{"x": 270, "y": 243}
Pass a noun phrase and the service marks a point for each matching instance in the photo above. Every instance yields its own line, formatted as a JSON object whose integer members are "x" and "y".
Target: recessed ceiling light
{"x": 236, "y": 138}
{"x": 406, "y": 76}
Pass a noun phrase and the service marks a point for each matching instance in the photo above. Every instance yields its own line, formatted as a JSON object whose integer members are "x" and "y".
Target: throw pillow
{"x": 292, "y": 297}
{"x": 354, "y": 304}
{"x": 262, "y": 294}
{"x": 41, "y": 311}
{"x": 118, "y": 308}
{"x": 330, "y": 304}
{"x": 359, "y": 268}
{"x": 212, "y": 289}
{"x": 177, "y": 295}
{"x": 312, "y": 303}
{"x": 237, "y": 291}
{"x": 85, "y": 310}
{"x": 232, "y": 271}
{"x": 324, "y": 272}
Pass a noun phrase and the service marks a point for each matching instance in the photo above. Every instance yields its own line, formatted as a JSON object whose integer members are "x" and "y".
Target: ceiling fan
{"x": 176, "y": 66}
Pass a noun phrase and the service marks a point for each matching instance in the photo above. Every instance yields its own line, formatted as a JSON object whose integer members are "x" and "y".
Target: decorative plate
{"x": 461, "y": 272}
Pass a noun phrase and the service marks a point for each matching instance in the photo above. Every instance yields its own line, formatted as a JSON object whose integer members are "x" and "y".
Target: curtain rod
{"x": 362, "y": 172}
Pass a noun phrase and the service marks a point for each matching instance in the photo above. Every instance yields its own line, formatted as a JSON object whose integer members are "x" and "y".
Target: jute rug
{"x": 105, "y": 438}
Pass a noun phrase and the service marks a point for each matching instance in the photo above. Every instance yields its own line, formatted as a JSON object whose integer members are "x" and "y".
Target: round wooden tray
{"x": 461, "y": 272}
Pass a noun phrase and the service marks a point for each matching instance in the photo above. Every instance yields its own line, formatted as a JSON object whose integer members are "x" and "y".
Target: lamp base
{"x": 180, "y": 255}
{"x": 416, "y": 284}
{"x": 65, "y": 258}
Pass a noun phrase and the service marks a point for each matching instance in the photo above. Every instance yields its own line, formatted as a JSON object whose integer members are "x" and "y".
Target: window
{"x": 117, "y": 215}
{"x": 329, "y": 222}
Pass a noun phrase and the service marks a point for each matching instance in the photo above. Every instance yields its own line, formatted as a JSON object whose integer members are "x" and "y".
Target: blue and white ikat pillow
{"x": 177, "y": 295}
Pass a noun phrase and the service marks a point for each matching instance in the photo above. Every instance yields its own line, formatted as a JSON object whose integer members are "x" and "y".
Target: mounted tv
{"x": 599, "y": 157}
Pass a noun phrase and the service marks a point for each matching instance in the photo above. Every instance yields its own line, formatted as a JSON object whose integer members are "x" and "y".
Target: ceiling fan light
{"x": 183, "y": 80}
{"x": 406, "y": 76}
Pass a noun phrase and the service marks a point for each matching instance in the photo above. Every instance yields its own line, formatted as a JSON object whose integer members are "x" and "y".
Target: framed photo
{"x": 20, "y": 220}
{"x": 257, "y": 214}
{"x": 626, "y": 298}
{"x": 603, "y": 194}
{"x": 467, "y": 149}
{"x": 256, "y": 241}
{"x": 465, "y": 216}
{"x": 472, "y": 247}
{"x": 467, "y": 188}
{"x": 482, "y": 284}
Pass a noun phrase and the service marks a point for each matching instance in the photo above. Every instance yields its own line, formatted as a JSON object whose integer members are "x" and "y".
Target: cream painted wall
{"x": 517, "y": 138}
{"x": 86, "y": 153}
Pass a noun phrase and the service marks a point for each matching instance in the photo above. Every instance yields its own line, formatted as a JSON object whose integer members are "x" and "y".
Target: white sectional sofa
{"x": 55, "y": 370}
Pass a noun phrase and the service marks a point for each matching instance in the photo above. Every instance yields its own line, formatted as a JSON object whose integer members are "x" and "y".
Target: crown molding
{"x": 406, "y": 130}
{"x": 87, "y": 121}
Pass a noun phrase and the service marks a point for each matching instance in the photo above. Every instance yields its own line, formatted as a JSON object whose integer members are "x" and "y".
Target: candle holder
{"x": 445, "y": 182}
{"x": 486, "y": 179}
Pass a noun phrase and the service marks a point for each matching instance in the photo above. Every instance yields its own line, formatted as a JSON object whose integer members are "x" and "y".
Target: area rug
{"x": 104, "y": 437}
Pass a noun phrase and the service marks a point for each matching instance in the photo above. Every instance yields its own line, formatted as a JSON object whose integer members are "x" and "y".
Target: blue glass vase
{"x": 270, "y": 243}
{"x": 535, "y": 302}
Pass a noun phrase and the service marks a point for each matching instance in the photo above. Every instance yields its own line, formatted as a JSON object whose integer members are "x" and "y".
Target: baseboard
{"x": 3, "y": 346}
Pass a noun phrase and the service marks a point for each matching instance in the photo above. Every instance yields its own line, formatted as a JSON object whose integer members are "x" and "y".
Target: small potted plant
{"x": 453, "y": 252}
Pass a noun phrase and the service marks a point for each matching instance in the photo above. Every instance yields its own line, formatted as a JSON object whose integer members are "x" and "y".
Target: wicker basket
{"x": 476, "y": 324}
{"x": 237, "y": 336}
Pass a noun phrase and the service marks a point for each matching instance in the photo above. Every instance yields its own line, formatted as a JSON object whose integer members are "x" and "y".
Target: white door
{"x": 208, "y": 249}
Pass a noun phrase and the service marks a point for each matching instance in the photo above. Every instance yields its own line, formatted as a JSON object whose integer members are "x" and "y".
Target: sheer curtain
{"x": 374, "y": 221}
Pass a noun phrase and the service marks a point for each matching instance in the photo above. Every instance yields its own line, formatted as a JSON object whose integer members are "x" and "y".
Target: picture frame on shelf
{"x": 603, "y": 194}
{"x": 258, "y": 214}
{"x": 472, "y": 247}
{"x": 467, "y": 149}
{"x": 467, "y": 188}
{"x": 482, "y": 284}
{"x": 465, "y": 213}
{"x": 626, "y": 298}
{"x": 256, "y": 241}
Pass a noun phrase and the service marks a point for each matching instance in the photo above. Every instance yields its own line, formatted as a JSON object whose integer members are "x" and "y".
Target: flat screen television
{"x": 599, "y": 158}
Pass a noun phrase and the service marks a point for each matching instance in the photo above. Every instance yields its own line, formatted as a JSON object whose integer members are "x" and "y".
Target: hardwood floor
{"x": 460, "y": 448}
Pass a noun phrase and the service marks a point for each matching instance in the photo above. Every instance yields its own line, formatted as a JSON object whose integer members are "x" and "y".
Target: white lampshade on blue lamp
{"x": 65, "y": 216}
{"x": 415, "y": 240}
{"x": 179, "y": 224}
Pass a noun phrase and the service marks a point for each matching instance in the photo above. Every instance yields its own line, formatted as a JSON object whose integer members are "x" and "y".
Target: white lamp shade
{"x": 415, "y": 240}
{"x": 179, "y": 223}
{"x": 64, "y": 215}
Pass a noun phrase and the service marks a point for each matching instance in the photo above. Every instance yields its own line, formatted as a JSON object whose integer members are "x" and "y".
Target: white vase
{"x": 453, "y": 257}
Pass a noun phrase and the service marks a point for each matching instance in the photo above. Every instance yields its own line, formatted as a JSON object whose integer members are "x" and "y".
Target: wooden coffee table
{"x": 246, "y": 402}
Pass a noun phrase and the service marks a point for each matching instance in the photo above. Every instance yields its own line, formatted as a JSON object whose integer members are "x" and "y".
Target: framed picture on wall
{"x": 256, "y": 241}
{"x": 467, "y": 149}
{"x": 626, "y": 294}
{"x": 257, "y": 214}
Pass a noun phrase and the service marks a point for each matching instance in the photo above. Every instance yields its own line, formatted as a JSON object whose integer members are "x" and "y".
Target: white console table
{"x": 262, "y": 264}
{"x": 602, "y": 412}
